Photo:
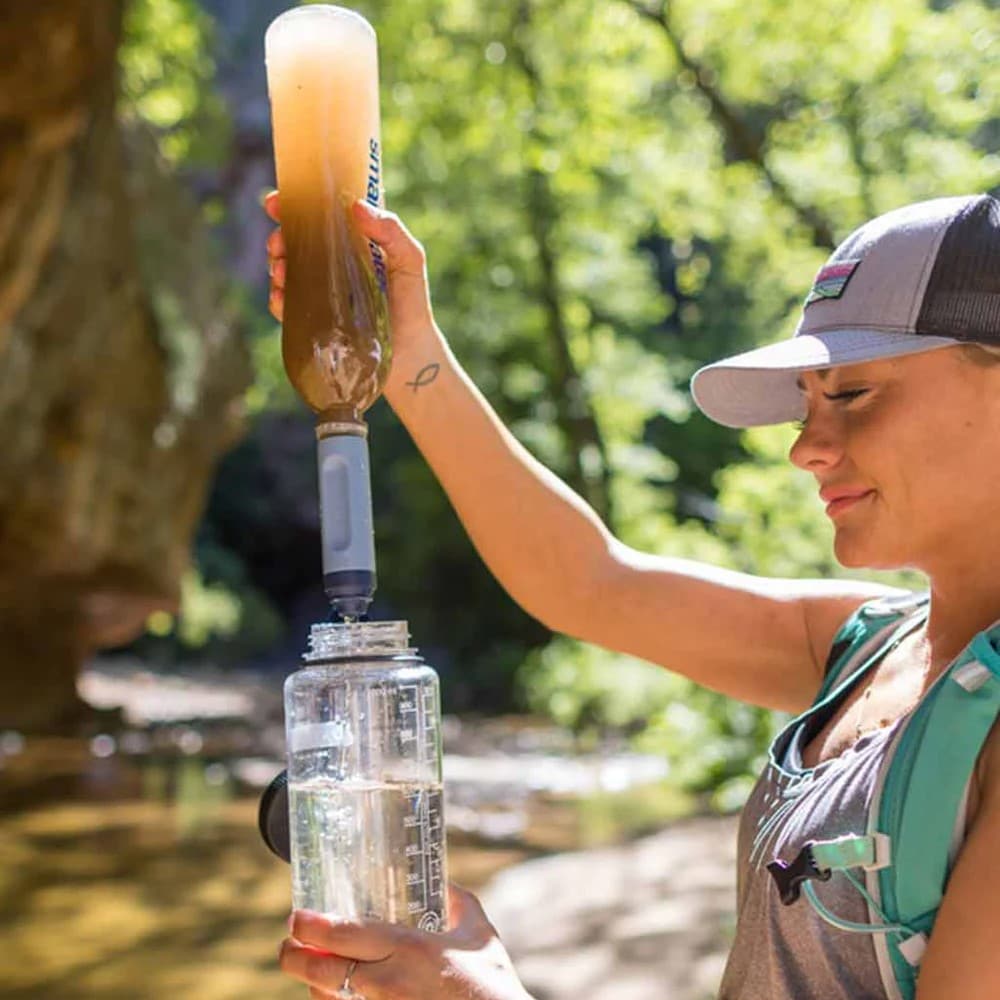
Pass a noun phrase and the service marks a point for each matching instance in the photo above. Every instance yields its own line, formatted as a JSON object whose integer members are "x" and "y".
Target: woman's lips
{"x": 841, "y": 502}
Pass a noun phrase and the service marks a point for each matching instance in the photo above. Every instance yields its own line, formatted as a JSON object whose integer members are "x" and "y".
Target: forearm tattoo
{"x": 425, "y": 376}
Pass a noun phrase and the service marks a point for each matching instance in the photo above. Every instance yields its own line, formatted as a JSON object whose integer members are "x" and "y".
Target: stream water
{"x": 131, "y": 865}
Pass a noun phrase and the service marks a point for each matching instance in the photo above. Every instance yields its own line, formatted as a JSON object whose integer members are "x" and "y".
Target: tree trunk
{"x": 113, "y": 418}
{"x": 575, "y": 414}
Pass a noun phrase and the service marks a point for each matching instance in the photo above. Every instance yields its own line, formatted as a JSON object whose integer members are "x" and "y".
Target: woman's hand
{"x": 390, "y": 962}
{"x": 410, "y": 316}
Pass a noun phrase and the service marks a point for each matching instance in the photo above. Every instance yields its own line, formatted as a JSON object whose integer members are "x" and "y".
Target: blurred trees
{"x": 610, "y": 195}
{"x": 120, "y": 367}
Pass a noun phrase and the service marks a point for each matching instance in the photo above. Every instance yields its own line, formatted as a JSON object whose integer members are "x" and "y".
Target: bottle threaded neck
{"x": 338, "y": 639}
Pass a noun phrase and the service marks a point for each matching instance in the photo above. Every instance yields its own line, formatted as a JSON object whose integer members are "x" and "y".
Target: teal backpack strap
{"x": 917, "y": 820}
{"x": 861, "y": 639}
{"x": 871, "y": 632}
{"x": 921, "y": 804}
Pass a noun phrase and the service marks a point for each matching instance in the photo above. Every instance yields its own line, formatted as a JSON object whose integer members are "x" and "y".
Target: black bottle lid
{"x": 272, "y": 817}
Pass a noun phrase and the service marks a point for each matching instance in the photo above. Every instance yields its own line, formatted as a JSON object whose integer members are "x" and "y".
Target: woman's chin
{"x": 856, "y": 551}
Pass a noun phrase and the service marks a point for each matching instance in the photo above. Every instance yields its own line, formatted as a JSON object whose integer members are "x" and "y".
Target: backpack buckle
{"x": 789, "y": 877}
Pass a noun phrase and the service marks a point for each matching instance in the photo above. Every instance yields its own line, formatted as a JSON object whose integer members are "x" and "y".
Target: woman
{"x": 900, "y": 426}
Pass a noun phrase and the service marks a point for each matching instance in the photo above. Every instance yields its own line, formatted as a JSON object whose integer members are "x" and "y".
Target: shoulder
{"x": 962, "y": 958}
{"x": 838, "y": 625}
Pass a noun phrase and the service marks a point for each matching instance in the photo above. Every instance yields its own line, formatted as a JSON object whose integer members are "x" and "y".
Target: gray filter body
{"x": 346, "y": 520}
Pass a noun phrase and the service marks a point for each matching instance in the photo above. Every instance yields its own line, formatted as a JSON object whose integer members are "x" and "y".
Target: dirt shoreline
{"x": 641, "y": 921}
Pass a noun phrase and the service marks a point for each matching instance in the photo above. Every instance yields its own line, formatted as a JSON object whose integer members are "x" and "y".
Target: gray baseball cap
{"x": 916, "y": 279}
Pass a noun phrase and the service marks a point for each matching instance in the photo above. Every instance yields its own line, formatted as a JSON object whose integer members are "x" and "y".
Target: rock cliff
{"x": 121, "y": 360}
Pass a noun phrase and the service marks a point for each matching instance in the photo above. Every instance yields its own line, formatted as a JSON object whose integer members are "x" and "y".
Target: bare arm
{"x": 962, "y": 958}
{"x": 760, "y": 640}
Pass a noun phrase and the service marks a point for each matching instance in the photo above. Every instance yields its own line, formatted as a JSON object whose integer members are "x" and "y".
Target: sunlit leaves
{"x": 167, "y": 78}
{"x": 673, "y": 247}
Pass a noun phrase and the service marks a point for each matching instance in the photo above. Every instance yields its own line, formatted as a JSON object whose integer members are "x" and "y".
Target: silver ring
{"x": 346, "y": 991}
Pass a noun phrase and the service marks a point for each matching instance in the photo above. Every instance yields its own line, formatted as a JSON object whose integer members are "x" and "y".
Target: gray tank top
{"x": 789, "y": 952}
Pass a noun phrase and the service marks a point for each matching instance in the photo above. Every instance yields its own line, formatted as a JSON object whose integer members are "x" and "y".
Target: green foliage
{"x": 712, "y": 743}
{"x": 206, "y": 611}
{"x": 532, "y": 153}
{"x": 167, "y": 74}
{"x": 685, "y": 171}
{"x": 224, "y": 623}
{"x": 586, "y": 688}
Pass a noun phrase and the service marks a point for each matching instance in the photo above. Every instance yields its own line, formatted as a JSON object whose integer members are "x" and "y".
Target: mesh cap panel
{"x": 962, "y": 298}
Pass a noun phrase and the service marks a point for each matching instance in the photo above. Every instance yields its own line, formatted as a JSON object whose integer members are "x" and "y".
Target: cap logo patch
{"x": 832, "y": 280}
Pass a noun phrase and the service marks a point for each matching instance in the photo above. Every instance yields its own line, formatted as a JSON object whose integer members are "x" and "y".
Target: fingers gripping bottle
{"x": 366, "y": 819}
{"x": 322, "y": 73}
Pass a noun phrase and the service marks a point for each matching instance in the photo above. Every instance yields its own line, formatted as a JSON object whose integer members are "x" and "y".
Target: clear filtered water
{"x": 369, "y": 849}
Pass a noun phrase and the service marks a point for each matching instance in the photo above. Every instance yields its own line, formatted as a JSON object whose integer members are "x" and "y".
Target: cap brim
{"x": 760, "y": 387}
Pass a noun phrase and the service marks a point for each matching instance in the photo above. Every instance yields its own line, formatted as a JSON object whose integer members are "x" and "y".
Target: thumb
{"x": 466, "y": 916}
{"x": 403, "y": 252}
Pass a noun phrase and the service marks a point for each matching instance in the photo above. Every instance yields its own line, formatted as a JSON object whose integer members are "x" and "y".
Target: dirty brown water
{"x": 135, "y": 875}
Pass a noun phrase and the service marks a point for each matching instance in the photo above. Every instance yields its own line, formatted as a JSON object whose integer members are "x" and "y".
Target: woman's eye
{"x": 846, "y": 396}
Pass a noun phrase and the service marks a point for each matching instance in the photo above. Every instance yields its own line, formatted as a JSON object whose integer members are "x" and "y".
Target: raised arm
{"x": 760, "y": 640}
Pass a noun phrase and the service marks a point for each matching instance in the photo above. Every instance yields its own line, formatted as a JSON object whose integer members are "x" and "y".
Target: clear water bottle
{"x": 366, "y": 820}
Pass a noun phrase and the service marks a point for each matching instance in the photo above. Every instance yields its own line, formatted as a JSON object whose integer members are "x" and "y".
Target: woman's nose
{"x": 818, "y": 446}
